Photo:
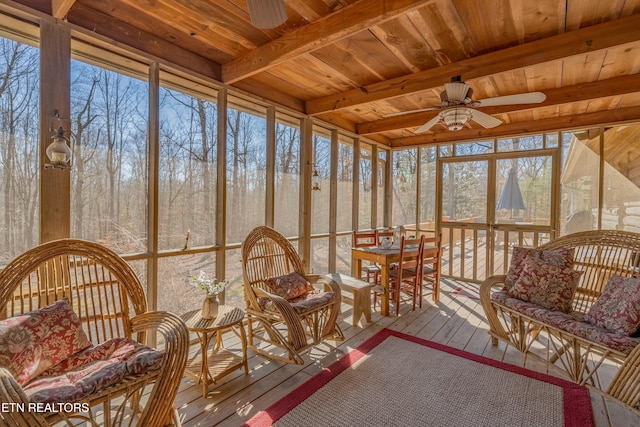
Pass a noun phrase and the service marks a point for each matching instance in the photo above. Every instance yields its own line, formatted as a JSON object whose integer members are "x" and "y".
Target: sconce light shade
{"x": 58, "y": 151}
{"x": 267, "y": 13}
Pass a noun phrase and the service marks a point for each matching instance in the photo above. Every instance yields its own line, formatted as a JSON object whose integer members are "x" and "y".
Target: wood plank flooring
{"x": 457, "y": 321}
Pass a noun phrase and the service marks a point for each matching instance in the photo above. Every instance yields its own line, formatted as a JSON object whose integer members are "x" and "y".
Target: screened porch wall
{"x": 227, "y": 162}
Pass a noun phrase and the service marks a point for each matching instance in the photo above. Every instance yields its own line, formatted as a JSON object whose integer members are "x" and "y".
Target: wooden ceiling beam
{"x": 585, "y": 40}
{"x": 563, "y": 95}
{"x": 519, "y": 128}
{"x": 60, "y": 8}
{"x": 125, "y": 34}
{"x": 329, "y": 29}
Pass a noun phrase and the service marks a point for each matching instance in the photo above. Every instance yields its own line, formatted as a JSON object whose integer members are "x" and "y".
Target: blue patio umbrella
{"x": 511, "y": 196}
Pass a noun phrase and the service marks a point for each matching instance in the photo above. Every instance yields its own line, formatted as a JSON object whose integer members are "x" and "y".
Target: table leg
{"x": 384, "y": 281}
{"x": 205, "y": 376}
{"x": 356, "y": 267}
{"x": 243, "y": 340}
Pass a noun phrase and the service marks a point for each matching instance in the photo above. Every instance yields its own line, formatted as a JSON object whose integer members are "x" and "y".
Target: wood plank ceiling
{"x": 352, "y": 62}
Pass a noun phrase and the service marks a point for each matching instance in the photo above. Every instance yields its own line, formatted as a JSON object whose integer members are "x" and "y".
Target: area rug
{"x": 394, "y": 379}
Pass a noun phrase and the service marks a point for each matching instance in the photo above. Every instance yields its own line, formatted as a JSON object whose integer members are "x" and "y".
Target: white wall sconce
{"x": 59, "y": 152}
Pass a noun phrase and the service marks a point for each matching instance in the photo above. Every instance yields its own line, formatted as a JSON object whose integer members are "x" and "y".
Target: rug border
{"x": 576, "y": 398}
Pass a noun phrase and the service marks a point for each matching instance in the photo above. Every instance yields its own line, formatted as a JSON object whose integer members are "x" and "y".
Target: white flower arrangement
{"x": 210, "y": 286}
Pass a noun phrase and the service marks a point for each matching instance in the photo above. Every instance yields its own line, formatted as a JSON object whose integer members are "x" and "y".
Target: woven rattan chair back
{"x": 271, "y": 318}
{"x": 266, "y": 253}
{"x": 110, "y": 301}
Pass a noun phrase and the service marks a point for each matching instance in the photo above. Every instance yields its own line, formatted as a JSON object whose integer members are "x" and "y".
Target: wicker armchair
{"x": 293, "y": 325}
{"x": 109, "y": 301}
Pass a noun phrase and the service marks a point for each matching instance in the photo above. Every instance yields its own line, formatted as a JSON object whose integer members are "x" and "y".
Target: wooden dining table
{"x": 384, "y": 258}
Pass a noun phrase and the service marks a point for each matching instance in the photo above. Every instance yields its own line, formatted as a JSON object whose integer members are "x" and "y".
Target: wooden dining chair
{"x": 431, "y": 256}
{"x": 384, "y": 233}
{"x": 406, "y": 279}
{"x": 364, "y": 239}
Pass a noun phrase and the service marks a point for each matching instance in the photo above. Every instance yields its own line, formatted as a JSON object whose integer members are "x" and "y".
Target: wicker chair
{"x": 110, "y": 303}
{"x": 585, "y": 358}
{"x": 272, "y": 319}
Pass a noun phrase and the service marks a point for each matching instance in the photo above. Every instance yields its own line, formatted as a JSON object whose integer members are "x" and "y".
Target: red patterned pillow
{"x": 618, "y": 308}
{"x": 562, "y": 257}
{"x": 32, "y": 342}
{"x": 546, "y": 284}
{"x": 289, "y": 286}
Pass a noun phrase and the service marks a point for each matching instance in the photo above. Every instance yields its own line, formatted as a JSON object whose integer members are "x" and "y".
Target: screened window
{"x": 187, "y": 170}
{"x": 287, "y": 177}
{"x": 19, "y": 178}
{"x": 321, "y": 144}
{"x": 345, "y": 185}
{"x": 109, "y": 180}
{"x": 405, "y": 176}
{"x": 246, "y": 170}
{"x": 365, "y": 186}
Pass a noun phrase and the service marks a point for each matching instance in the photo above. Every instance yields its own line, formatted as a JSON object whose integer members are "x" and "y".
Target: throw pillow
{"x": 618, "y": 308}
{"x": 562, "y": 257}
{"x": 32, "y": 342}
{"x": 289, "y": 286}
{"x": 548, "y": 285}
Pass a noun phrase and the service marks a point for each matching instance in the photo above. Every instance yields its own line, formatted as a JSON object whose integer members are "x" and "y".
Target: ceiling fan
{"x": 456, "y": 109}
{"x": 267, "y": 14}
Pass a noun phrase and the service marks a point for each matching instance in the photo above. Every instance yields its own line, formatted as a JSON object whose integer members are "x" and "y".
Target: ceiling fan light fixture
{"x": 267, "y": 14}
{"x": 455, "y": 118}
{"x": 456, "y": 91}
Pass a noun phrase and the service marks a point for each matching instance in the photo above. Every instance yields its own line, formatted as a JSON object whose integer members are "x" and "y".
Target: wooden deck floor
{"x": 456, "y": 321}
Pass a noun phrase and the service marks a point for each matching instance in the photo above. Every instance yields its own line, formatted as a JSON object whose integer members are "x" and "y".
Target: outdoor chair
{"x": 431, "y": 256}
{"x": 73, "y": 324}
{"x": 385, "y": 233}
{"x": 286, "y": 307}
{"x": 365, "y": 239}
{"x": 406, "y": 279}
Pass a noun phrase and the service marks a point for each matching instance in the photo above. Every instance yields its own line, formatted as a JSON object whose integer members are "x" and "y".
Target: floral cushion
{"x": 289, "y": 286}
{"x": 549, "y": 285}
{"x": 562, "y": 257}
{"x": 93, "y": 369}
{"x": 34, "y": 341}
{"x": 313, "y": 302}
{"x": 618, "y": 308}
{"x": 605, "y": 337}
{"x": 570, "y": 322}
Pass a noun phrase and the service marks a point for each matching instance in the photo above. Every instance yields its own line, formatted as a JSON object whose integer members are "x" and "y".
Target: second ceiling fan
{"x": 457, "y": 106}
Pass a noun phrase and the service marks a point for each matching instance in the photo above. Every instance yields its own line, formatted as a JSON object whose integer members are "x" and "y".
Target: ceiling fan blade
{"x": 520, "y": 98}
{"x": 420, "y": 110}
{"x": 484, "y": 119}
{"x": 456, "y": 91}
{"x": 425, "y": 127}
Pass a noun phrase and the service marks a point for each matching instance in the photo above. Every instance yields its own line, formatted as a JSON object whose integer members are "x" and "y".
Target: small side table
{"x": 207, "y": 369}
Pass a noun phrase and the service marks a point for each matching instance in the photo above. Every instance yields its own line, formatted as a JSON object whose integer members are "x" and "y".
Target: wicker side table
{"x": 208, "y": 368}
